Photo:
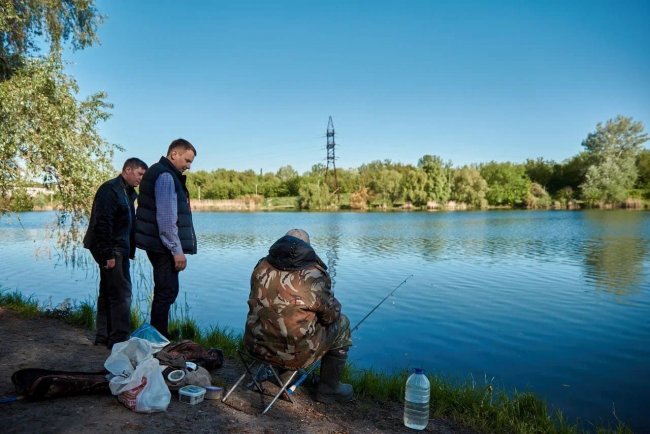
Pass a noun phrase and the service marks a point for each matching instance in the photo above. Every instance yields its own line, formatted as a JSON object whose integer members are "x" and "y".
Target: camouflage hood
{"x": 291, "y": 254}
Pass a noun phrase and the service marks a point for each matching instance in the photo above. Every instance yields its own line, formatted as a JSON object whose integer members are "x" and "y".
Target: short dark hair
{"x": 181, "y": 143}
{"x": 134, "y": 163}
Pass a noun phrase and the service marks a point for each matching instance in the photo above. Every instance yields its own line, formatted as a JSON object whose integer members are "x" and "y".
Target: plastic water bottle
{"x": 416, "y": 400}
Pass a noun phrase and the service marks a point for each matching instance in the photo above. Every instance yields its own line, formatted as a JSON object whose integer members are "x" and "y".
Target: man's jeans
{"x": 114, "y": 302}
{"x": 165, "y": 290}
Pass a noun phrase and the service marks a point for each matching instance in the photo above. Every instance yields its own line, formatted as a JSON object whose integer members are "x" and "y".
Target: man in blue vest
{"x": 164, "y": 226}
{"x": 111, "y": 240}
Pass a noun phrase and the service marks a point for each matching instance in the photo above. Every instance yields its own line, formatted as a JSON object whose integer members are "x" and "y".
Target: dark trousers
{"x": 114, "y": 302}
{"x": 165, "y": 289}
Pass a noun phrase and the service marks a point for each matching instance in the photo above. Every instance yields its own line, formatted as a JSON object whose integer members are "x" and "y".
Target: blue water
{"x": 554, "y": 302}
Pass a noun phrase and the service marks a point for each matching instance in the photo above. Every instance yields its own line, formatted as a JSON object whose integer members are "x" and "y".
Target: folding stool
{"x": 252, "y": 369}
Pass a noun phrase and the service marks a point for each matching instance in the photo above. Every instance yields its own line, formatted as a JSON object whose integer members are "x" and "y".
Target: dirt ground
{"x": 52, "y": 344}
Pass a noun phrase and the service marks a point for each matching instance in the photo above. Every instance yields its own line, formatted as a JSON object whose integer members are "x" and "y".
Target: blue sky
{"x": 252, "y": 83}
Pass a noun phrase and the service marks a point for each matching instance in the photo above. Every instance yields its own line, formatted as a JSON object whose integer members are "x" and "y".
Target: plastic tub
{"x": 191, "y": 394}
{"x": 176, "y": 376}
{"x": 213, "y": 392}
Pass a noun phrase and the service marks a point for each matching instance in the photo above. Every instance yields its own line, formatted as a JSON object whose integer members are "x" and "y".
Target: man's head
{"x": 181, "y": 153}
{"x": 133, "y": 171}
{"x": 300, "y": 234}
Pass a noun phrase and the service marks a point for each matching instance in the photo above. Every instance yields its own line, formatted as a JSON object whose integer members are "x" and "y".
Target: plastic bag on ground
{"x": 150, "y": 333}
{"x": 136, "y": 377}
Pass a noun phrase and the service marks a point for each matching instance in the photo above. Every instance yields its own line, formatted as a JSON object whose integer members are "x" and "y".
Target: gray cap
{"x": 299, "y": 233}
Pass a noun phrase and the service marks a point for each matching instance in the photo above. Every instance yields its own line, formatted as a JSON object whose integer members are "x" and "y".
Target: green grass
{"x": 481, "y": 406}
{"x": 223, "y": 338}
{"x": 82, "y": 315}
{"x": 287, "y": 202}
{"x": 18, "y": 302}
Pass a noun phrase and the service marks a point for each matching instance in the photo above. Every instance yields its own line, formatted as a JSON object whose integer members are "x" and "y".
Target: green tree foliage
{"x": 507, "y": 182}
{"x": 620, "y": 137}
{"x": 614, "y": 148}
{"x": 570, "y": 174}
{"x": 315, "y": 196}
{"x": 643, "y": 169}
{"x": 45, "y": 132}
{"x": 348, "y": 180}
{"x": 538, "y": 197}
{"x": 414, "y": 186}
{"x": 534, "y": 184}
{"x": 540, "y": 171}
{"x": 383, "y": 181}
{"x": 19, "y": 201}
{"x": 609, "y": 181}
{"x": 25, "y": 22}
{"x": 469, "y": 187}
{"x": 438, "y": 186}
{"x": 290, "y": 181}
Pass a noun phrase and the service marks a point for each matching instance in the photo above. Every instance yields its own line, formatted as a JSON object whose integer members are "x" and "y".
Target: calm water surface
{"x": 553, "y": 302}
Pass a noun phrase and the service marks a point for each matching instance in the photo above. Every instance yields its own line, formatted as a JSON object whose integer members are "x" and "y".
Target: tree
{"x": 540, "y": 171}
{"x": 609, "y": 181}
{"x": 570, "y": 174}
{"x": 45, "y": 132}
{"x": 469, "y": 187}
{"x": 538, "y": 197}
{"x": 382, "y": 180}
{"x": 315, "y": 196}
{"x": 438, "y": 173}
{"x": 643, "y": 169}
{"x": 414, "y": 183}
{"x": 25, "y": 22}
{"x": 620, "y": 137}
{"x": 614, "y": 148}
{"x": 507, "y": 182}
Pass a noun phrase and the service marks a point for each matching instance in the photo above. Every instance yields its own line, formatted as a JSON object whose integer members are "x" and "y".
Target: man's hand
{"x": 110, "y": 263}
{"x": 180, "y": 262}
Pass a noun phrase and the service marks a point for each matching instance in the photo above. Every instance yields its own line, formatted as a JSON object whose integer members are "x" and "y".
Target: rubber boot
{"x": 330, "y": 388}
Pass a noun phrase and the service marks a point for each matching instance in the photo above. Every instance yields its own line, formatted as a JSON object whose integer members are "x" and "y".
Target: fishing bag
{"x": 37, "y": 384}
{"x": 176, "y": 354}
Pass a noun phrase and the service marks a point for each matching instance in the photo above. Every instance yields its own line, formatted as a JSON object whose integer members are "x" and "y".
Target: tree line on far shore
{"x": 612, "y": 171}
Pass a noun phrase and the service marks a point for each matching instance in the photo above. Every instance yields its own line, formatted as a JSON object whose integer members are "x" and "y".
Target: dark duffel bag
{"x": 36, "y": 384}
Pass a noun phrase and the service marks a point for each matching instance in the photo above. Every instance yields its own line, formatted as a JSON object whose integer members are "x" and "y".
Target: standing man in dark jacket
{"x": 111, "y": 240}
{"x": 164, "y": 226}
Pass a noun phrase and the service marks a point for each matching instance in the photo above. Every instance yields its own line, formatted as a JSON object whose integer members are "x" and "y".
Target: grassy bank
{"x": 480, "y": 406}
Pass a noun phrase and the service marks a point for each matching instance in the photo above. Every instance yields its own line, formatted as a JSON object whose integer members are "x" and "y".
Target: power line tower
{"x": 331, "y": 158}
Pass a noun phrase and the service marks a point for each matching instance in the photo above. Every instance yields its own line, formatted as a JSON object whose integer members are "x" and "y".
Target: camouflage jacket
{"x": 292, "y": 309}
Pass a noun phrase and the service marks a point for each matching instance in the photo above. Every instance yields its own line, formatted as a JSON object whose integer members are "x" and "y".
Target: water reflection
{"x": 332, "y": 244}
{"x": 614, "y": 257}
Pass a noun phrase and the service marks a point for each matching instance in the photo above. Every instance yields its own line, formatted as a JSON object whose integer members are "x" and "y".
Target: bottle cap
{"x": 419, "y": 371}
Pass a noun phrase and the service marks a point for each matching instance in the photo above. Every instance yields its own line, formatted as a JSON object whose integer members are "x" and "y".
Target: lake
{"x": 556, "y": 302}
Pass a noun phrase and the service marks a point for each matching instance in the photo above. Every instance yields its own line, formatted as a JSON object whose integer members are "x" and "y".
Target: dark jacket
{"x": 112, "y": 220}
{"x": 147, "y": 236}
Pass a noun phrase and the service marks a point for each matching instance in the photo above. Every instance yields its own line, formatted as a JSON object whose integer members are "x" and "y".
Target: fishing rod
{"x": 290, "y": 390}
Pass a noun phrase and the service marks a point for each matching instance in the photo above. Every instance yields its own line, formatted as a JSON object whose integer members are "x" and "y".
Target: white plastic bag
{"x": 137, "y": 379}
{"x": 126, "y": 355}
